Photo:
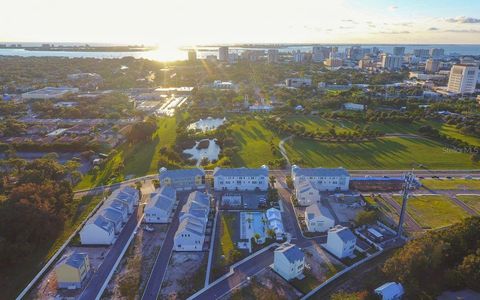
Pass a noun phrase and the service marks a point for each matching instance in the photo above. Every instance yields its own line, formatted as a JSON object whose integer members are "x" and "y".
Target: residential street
{"x": 155, "y": 280}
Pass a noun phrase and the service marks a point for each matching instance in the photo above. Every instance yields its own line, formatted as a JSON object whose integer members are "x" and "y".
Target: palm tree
{"x": 272, "y": 180}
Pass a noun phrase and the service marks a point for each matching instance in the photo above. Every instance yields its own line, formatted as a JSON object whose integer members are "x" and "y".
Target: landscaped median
{"x": 433, "y": 211}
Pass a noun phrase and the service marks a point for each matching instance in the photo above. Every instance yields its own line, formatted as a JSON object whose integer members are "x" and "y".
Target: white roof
{"x": 390, "y": 290}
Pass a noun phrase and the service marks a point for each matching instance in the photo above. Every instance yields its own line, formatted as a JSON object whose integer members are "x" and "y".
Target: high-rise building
{"x": 437, "y": 52}
{"x": 365, "y": 63}
{"x": 192, "y": 55}
{"x": 333, "y": 62}
{"x": 399, "y": 51}
{"x": 298, "y": 57}
{"x": 272, "y": 55}
{"x": 422, "y": 53}
{"x": 432, "y": 65}
{"x": 463, "y": 79}
{"x": 319, "y": 53}
{"x": 223, "y": 53}
{"x": 391, "y": 62}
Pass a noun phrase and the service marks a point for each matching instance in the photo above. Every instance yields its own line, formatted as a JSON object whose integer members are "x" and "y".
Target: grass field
{"x": 254, "y": 139}
{"x": 134, "y": 159}
{"x": 12, "y": 282}
{"x": 225, "y": 252}
{"x": 471, "y": 200}
{"x": 433, "y": 211}
{"x": 385, "y": 153}
{"x": 451, "y": 184}
{"x": 453, "y": 132}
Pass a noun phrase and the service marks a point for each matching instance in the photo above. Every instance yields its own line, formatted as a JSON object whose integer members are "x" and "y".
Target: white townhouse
{"x": 182, "y": 179}
{"x": 128, "y": 195}
{"x": 318, "y": 218}
{"x": 72, "y": 271}
{"x": 197, "y": 206}
{"x": 190, "y": 235}
{"x": 306, "y": 193}
{"x": 289, "y": 261}
{"x": 160, "y": 206}
{"x": 323, "y": 179}
{"x": 241, "y": 179}
{"x": 113, "y": 216}
{"x": 390, "y": 291}
{"x": 97, "y": 231}
{"x": 341, "y": 241}
{"x": 119, "y": 206}
{"x": 274, "y": 219}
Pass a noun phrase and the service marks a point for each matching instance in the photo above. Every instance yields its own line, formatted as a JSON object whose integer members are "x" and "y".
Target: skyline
{"x": 184, "y": 23}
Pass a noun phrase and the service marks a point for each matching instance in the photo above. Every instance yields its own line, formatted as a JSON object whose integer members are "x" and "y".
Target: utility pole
{"x": 409, "y": 179}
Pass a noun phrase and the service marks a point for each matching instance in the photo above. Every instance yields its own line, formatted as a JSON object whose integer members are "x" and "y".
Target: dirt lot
{"x": 134, "y": 269}
{"x": 265, "y": 285}
{"x": 345, "y": 208}
{"x": 47, "y": 288}
{"x": 185, "y": 275}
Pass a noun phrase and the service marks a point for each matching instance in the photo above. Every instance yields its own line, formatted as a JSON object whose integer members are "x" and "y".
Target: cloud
{"x": 392, "y": 8}
{"x": 345, "y": 27}
{"x": 349, "y": 21}
{"x": 463, "y": 20}
{"x": 463, "y": 30}
{"x": 433, "y": 29}
{"x": 393, "y": 32}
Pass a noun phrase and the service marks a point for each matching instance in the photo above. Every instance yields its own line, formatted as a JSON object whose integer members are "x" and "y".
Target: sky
{"x": 194, "y": 22}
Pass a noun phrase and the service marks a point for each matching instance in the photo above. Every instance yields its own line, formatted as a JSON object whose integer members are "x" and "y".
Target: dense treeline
{"x": 37, "y": 202}
{"x": 445, "y": 260}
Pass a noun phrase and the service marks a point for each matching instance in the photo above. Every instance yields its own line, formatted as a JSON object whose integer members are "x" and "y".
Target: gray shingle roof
{"x": 241, "y": 172}
{"x": 163, "y": 199}
{"x": 291, "y": 252}
{"x": 191, "y": 225}
{"x": 181, "y": 173}
{"x": 317, "y": 210}
{"x": 117, "y": 204}
{"x": 103, "y": 223}
{"x": 344, "y": 233}
{"x": 326, "y": 172}
{"x": 112, "y": 215}
{"x": 76, "y": 259}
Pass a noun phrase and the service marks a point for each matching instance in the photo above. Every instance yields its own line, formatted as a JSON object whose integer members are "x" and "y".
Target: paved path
{"x": 283, "y": 152}
{"x": 100, "y": 276}
{"x": 155, "y": 280}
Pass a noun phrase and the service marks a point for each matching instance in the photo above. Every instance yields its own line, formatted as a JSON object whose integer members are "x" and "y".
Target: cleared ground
{"x": 433, "y": 211}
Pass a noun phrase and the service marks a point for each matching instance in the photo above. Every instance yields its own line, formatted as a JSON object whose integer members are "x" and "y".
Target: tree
{"x": 366, "y": 217}
{"x": 289, "y": 182}
{"x": 272, "y": 181}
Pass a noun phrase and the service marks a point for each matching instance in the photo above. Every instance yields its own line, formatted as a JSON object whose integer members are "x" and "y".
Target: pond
{"x": 200, "y": 150}
{"x": 207, "y": 124}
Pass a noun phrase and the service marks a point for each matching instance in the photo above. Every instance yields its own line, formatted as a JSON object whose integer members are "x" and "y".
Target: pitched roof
{"x": 164, "y": 198}
{"x": 198, "y": 205}
{"x": 116, "y": 204}
{"x": 326, "y": 172}
{"x": 112, "y": 215}
{"x": 390, "y": 290}
{"x": 316, "y": 210}
{"x": 180, "y": 173}
{"x": 102, "y": 222}
{"x": 344, "y": 233}
{"x": 200, "y": 198}
{"x": 263, "y": 171}
{"x": 291, "y": 252}
{"x": 191, "y": 225}
{"x": 305, "y": 186}
{"x": 76, "y": 259}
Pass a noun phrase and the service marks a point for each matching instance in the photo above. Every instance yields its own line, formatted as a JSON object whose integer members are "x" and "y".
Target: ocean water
{"x": 173, "y": 54}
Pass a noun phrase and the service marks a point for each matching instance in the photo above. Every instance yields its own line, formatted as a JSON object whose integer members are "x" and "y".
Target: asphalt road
{"x": 254, "y": 265}
{"x": 161, "y": 263}
{"x": 98, "y": 279}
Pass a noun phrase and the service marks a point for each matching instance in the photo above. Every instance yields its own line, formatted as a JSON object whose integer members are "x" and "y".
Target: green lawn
{"x": 226, "y": 252}
{"x": 451, "y": 184}
{"x": 137, "y": 159}
{"x": 253, "y": 139}
{"x": 471, "y": 200}
{"x": 385, "y": 153}
{"x": 433, "y": 211}
{"x": 453, "y": 132}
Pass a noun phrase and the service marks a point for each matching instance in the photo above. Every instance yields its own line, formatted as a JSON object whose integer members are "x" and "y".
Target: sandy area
{"x": 185, "y": 275}
{"x": 132, "y": 274}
